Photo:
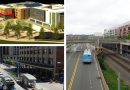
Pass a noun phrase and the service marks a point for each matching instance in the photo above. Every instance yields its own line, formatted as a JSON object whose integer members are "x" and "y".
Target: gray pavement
{"x": 86, "y": 77}
{"x": 39, "y": 86}
{"x": 2, "y": 67}
{"x": 49, "y": 86}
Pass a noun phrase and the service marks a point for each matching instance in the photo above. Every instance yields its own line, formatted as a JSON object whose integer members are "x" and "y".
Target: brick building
{"x": 119, "y": 31}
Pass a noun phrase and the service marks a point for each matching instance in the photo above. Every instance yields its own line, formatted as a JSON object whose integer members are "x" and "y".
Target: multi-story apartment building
{"x": 110, "y": 32}
{"x": 8, "y": 53}
{"x": 6, "y": 10}
{"x": 124, "y": 30}
{"x": 51, "y": 15}
{"x": 120, "y": 31}
{"x": 37, "y": 60}
{"x": 22, "y": 10}
{"x": 22, "y": 13}
{"x": 47, "y": 15}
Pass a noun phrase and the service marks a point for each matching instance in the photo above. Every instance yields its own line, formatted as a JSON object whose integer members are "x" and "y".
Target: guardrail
{"x": 105, "y": 86}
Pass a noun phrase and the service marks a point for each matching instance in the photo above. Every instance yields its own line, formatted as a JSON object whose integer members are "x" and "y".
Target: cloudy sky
{"x": 90, "y": 16}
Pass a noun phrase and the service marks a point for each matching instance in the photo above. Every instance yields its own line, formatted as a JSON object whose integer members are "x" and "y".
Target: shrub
{"x": 45, "y": 35}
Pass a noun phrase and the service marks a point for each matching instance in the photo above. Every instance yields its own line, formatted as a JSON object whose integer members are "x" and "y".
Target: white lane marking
{"x": 97, "y": 70}
{"x": 90, "y": 81}
{"x": 91, "y": 84}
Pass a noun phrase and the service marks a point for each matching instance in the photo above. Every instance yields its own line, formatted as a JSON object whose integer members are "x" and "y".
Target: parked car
{"x": 13, "y": 88}
{"x": 1, "y": 75}
{"x": 1, "y": 86}
{"x": 8, "y": 83}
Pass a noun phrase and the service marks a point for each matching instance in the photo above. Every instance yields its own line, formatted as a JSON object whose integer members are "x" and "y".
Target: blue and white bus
{"x": 87, "y": 56}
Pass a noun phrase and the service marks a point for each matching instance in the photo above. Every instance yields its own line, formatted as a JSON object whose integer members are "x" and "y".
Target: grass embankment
{"x": 15, "y": 42}
{"x": 110, "y": 76}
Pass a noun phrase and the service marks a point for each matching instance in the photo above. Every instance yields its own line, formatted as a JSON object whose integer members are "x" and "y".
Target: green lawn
{"x": 110, "y": 76}
{"x": 49, "y": 42}
{"x": 111, "y": 79}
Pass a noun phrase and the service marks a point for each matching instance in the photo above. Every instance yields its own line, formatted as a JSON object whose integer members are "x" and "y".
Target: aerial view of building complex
{"x": 31, "y": 22}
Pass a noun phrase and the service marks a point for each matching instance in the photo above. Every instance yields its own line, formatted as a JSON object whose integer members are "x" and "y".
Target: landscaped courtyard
{"x": 22, "y": 31}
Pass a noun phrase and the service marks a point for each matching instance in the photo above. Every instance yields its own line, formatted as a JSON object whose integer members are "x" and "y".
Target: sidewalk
{"x": 50, "y": 86}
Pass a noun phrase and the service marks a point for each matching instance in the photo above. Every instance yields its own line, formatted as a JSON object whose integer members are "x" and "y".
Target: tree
{"x": 61, "y": 26}
{"x": 23, "y": 24}
{"x": 101, "y": 58}
{"x": 16, "y": 28}
{"x": 128, "y": 37}
{"x": 6, "y": 29}
{"x": 29, "y": 31}
{"x": 1, "y": 26}
{"x": 42, "y": 33}
{"x": 56, "y": 33}
{"x": 17, "y": 31}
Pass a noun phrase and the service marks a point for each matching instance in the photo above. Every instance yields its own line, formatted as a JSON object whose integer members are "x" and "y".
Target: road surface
{"x": 81, "y": 76}
{"x": 18, "y": 87}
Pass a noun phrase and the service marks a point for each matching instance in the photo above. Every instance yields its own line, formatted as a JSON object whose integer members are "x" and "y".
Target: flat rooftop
{"x": 59, "y": 8}
{"x": 4, "y": 6}
{"x": 25, "y": 4}
{"x": 29, "y": 76}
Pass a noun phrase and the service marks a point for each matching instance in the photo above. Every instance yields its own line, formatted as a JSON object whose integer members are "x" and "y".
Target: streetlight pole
{"x": 55, "y": 62}
{"x": 119, "y": 81}
{"x": 17, "y": 69}
{"x": 17, "y": 63}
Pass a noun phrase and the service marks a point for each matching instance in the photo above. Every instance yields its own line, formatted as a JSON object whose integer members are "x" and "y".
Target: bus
{"x": 28, "y": 80}
{"x": 87, "y": 56}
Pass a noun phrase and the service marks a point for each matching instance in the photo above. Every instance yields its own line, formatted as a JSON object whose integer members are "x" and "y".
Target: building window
{"x": 50, "y": 61}
{"x": 43, "y": 60}
{"x": 44, "y": 51}
{"x": 128, "y": 28}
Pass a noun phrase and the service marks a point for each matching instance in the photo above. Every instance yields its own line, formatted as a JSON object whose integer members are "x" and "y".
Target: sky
{"x": 90, "y": 16}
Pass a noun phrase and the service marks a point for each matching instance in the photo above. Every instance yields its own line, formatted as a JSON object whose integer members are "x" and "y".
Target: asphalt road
{"x": 2, "y": 67}
{"x": 81, "y": 76}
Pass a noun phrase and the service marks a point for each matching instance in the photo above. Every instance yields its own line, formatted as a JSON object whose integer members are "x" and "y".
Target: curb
{"x": 104, "y": 84}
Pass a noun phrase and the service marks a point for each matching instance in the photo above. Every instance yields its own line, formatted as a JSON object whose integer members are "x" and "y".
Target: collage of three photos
{"x": 31, "y": 45}
{"x": 87, "y": 48}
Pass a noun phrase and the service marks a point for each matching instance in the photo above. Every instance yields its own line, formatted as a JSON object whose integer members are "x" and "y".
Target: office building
{"x": 42, "y": 62}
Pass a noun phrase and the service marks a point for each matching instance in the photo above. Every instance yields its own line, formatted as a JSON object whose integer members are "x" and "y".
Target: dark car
{"x": 13, "y": 88}
{"x": 1, "y": 86}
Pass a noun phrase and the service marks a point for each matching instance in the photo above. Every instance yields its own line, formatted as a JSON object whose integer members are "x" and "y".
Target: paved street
{"x": 86, "y": 75}
{"x": 18, "y": 87}
{"x": 39, "y": 86}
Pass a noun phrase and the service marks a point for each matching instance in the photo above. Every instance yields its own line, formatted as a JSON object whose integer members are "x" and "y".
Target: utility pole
{"x": 119, "y": 81}
{"x": 17, "y": 63}
{"x": 18, "y": 69}
{"x": 55, "y": 64}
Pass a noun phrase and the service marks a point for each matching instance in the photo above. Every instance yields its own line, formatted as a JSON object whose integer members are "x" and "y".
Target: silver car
{"x": 1, "y": 75}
